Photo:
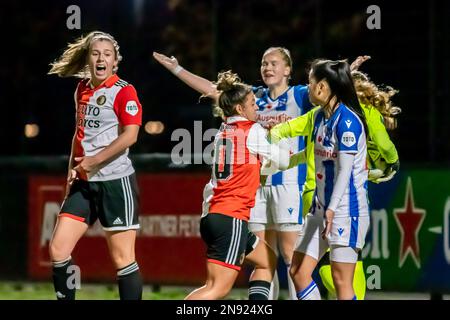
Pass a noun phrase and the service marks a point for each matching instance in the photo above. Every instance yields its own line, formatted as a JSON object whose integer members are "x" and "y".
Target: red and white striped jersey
{"x": 239, "y": 147}
{"x": 100, "y": 114}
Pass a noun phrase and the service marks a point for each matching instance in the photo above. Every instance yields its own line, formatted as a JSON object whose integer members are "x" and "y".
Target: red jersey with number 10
{"x": 235, "y": 173}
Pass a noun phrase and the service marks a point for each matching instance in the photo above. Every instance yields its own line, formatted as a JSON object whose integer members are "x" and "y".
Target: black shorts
{"x": 227, "y": 239}
{"x": 115, "y": 203}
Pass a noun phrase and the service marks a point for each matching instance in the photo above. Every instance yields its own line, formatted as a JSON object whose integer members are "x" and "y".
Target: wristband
{"x": 177, "y": 69}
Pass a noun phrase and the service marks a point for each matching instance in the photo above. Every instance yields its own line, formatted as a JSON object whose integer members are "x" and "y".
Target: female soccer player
{"x": 239, "y": 146}
{"x": 101, "y": 182}
{"x": 284, "y": 197}
{"x": 338, "y": 133}
{"x": 380, "y": 113}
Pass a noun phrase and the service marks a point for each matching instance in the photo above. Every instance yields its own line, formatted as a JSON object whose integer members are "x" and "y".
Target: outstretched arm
{"x": 300, "y": 126}
{"x": 358, "y": 62}
{"x": 274, "y": 156}
{"x": 201, "y": 85}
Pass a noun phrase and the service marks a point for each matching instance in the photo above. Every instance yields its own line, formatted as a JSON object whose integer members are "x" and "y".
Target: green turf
{"x": 44, "y": 291}
{"x": 24, "y": 290}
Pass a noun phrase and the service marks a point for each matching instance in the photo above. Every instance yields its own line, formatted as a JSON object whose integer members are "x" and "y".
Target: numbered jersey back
{"x": 235, "y": 173}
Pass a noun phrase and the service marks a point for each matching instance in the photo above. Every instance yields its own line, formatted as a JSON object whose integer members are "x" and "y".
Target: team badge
{"x": 132, "y": 108}
{"x": 348, "y": 139}
{"x": 101, "y": 100}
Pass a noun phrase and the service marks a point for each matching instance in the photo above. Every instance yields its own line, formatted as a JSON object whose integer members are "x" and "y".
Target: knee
{"x": 58, "y": 252}
{"x": 267, "y": 260}
{"x": 295, "y": 266}
{"x": 122, "y": 258}
{"x": 287, "y": 247}
{"x": 293, "y": 270}
{"x": 299, "y": 275}
{"x": 272, "y": 261}
{"x": 218, "y": 290}
{"x": 287, "y": 253}
{"x": 339, "y": 281}
{"x": 223, "y": 292}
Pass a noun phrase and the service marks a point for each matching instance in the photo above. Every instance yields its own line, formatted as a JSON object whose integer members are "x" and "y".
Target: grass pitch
{"x": 19, "y": 290}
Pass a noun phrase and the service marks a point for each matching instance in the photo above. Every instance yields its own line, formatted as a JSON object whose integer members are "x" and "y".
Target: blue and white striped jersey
{"x": 292, "y": 103}
{"x": 342, "y": 132}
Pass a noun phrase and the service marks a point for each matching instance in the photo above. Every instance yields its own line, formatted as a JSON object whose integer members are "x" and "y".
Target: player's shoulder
{"x": 371, "y": 113}
{"x": 299, "y": 91}
{"x": 256, "y": 128}
{"x": 255, "y": 125}
{"x": 82, "y": 84}
{"x": 300, "y": 87}
{"x": 125, "y": 89}
{"x": 259, "y": 91}
{"x": 345, "y": 113}
{"x": 348, "y": 119}
{"x": 121, "y": 83}
{"x": 315, "y": 111}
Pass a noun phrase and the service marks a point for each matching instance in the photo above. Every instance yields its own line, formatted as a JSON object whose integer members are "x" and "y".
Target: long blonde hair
{"x": 73, "y": 61}
{"x": 371, "y": 95}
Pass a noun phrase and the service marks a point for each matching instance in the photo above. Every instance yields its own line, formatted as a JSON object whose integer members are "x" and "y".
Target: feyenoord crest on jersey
{"x": 101, "y": 112}
{"x": 101, "y": 100}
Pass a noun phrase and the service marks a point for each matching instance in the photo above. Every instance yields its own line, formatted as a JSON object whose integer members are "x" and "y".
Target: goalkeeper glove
{"x": 389, "y": 172}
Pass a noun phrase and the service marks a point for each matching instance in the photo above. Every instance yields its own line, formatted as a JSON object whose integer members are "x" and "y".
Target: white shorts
{"x": 346, "y": 232}
{"x": 280, "y": 227}
{"x": 276, "y": 205}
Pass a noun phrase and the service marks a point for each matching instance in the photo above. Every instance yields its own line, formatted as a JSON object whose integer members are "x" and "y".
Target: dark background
{"x": 411, "y": 53}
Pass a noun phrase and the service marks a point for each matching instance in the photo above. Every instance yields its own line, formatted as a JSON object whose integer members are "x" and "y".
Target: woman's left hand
{"x": 329, "y": 215}
{"x": 87, "y": 165}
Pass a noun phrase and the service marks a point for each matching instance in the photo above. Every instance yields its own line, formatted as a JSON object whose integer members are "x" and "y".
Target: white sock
{"x": 274, "y": 287}
{"x": 311, "y": 292}
{"x": 291, "y": 287}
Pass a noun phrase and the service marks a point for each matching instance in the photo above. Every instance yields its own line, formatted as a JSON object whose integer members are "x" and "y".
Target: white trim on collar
{"x": 235, "y": 119}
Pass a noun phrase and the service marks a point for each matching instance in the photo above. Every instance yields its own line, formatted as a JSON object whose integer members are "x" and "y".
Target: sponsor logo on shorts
{"x": 117, "y": 221}
{"x": 340, "y": 230}
{"x": 290, "y": 210}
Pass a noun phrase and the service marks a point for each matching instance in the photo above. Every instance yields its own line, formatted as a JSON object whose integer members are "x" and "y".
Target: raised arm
{"x": 358, "y": 62}
{"x": 199, "y": 84}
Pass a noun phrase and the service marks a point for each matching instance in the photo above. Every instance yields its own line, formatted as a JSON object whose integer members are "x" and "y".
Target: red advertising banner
{"x": 169, "y": 249}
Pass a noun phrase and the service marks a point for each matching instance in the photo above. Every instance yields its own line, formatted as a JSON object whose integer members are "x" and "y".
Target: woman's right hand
{"x": 270, "y": 124}
{"x": 329, "y": 216}
{"x": 170, "y": 63}
{"x": 71, "y": 177}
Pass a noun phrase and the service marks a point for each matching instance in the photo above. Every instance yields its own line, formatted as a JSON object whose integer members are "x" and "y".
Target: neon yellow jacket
{"x": 379, "y": 145}
{"x": 301, "y": 126}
